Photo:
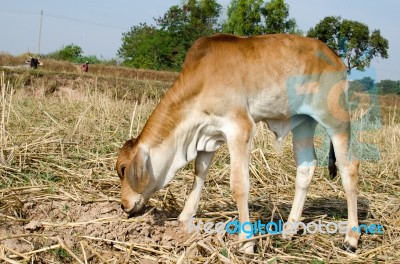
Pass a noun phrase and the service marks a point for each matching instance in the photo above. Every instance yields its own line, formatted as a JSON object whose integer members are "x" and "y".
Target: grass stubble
{"x": 60, "y": 148}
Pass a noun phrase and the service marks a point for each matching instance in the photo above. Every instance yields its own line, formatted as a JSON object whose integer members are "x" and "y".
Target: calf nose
{"x": 126, "y": 207}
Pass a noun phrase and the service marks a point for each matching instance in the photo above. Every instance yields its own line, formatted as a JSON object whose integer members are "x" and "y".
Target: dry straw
{"x": 59, "y": 191}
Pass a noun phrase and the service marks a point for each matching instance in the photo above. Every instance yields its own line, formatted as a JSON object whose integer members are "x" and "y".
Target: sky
{"x": 97, "y": 25}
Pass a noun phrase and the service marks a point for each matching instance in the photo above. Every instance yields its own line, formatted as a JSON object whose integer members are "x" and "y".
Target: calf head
{"x": 132, "y": 171}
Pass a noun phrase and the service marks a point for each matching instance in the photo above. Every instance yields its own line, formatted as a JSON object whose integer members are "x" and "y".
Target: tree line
{"x": 367, "y": 84}
{"x": 72, "y": 53}
{"x": 163, "y": 46}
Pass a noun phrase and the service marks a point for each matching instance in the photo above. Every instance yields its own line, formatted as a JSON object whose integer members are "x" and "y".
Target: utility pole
{"x": 40, "y": 32}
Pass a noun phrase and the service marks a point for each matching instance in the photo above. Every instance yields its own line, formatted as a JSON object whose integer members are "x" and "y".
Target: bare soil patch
{"x": 102, "y": 223}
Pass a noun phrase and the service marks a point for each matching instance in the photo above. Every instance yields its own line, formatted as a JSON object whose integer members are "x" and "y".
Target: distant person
{"x": 34, "y": 62}
{"x": 85, "y": 67}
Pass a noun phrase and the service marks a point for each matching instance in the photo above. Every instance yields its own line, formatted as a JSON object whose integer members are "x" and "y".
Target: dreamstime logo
{"x": 363, "y": 108}
{"x": 280, "y": 227}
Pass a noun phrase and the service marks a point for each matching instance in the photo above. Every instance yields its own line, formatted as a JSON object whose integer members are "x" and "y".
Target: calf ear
{"x": 140, "y": 174}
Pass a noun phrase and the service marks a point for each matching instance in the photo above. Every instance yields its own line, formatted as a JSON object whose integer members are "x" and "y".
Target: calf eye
{"x": 121, "y": 171}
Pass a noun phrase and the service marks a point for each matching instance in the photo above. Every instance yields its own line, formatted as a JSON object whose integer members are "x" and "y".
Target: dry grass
{"x": 55, "y": 66}
{"x": 10, "y": 60}
{"x": 59, "y": 189}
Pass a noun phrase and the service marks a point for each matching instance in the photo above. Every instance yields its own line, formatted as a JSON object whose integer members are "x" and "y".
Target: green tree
{"x": 194, "y": 19}
{"x": 70, "y": 52}
{"x": 351, "y": 40}
{"x": 368, "y": 83}
{"x": 164, "y": 46}
{"x": 141, "y": 47}
{"x": 244, "y": 17}
{"x": 203, "y": 16}
{"x": 92, "y": 59}
{"x": 276, "y": 16}
{"x": 389, "y": 87}
{"x": 356, "y": 87}
{"x": 363, "y": 85}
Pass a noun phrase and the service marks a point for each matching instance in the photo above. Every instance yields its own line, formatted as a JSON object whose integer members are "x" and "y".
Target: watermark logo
{"x": 280, "y": 227}
{"x": 329, "y": 89}
{"x": 373, "y": 229}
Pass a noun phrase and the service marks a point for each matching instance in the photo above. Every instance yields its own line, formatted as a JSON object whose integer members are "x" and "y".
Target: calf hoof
{"x": 349, "y": 248}
{"x": 287, "y": 237}
{"x": 351, "y": 241}
{"x": 184, "y": 218}
{"x": 187, "y": 223}
{"x": 247, "y": 247}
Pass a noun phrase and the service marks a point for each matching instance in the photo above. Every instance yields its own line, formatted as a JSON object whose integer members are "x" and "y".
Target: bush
{"x": 72, "y": 53}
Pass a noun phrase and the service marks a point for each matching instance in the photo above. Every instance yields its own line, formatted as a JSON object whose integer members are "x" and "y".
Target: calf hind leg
{"x": 306, "y": 161}
{"x": 348, "y": 169}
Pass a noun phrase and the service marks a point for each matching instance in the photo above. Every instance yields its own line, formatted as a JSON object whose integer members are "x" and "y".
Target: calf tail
{"x": 332, "y": 162}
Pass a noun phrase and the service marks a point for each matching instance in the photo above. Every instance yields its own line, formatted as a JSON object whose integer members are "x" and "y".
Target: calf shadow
{"x": 331, "y": 207}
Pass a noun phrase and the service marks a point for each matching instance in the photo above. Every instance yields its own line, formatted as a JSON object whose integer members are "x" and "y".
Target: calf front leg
{"x": 202, "y": 164}
{"x": 239, "y": 144}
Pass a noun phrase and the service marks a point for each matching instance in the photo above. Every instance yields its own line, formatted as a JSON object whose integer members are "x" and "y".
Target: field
{"x": 60, "y": 132}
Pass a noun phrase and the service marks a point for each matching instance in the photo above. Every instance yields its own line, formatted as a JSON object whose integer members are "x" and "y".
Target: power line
{"x": 19, "y": 12}
{"x": 64, "y": 18}
{"x": 84, "y": 21}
